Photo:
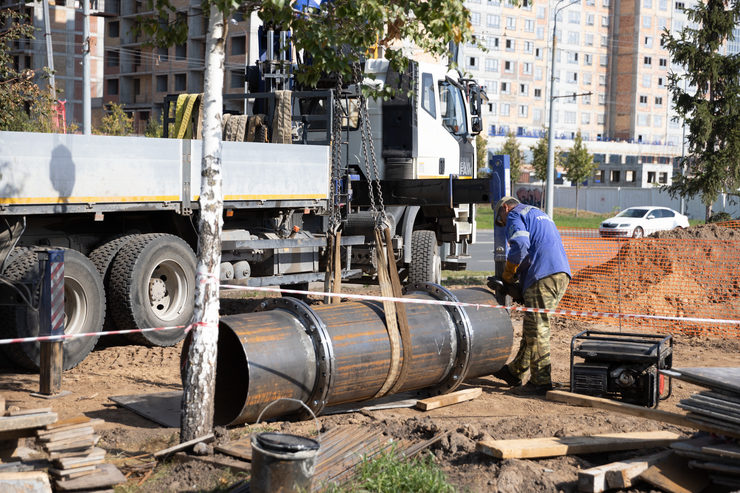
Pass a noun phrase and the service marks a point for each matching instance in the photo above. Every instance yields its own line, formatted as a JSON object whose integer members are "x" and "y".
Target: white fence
{"x": 609, "y": 199}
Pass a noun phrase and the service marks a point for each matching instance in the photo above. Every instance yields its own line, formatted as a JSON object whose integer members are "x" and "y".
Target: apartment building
{"x": 65, "y": 21}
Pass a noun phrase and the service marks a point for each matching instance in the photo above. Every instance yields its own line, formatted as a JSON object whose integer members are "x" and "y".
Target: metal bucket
{"x": 282, "y": 463}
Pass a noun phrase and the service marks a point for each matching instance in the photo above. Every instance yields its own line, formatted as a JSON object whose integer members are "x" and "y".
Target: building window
{"x": 529, "y": 26}
{"x": 660, "y": 81}
{"x": 587, "y": 80}
{"x": 648, "y": 4}
{"x": 510, "y": 45}
{"x": 523, "y": 110}
{"x": 475, "y": 18}
{"x": 574, "y": 37}
{"x": 570, "y": 117}
{"x": 648, "y": 41}
{"x": 586, "y": 99}
{"x": 538, "y": 73}
{"x": 657, "y": 121}
{"x": 585, "y": 118}
{"x": 587, "y": 59}
{"x": 540, "y": 32}
{"x": 472, "y": 62}
{"x": 589, "y": 39}
{"x": 658, "y": 101}
{"x": 614, "y": 176}
{"x": 572, "y": 77}
{"x": 540, "y": 12}
{"x": 646, "y": 80}
{"x": 603, "y": 60}
{"x": 181, "y": 52}
{"x": 505, "y": 108}
{"x": 605, "y": 41}
{"x": 647, "y": 21}
{"x": 114, "y": 29}
{"x": 538, "y": 93}
{"x": 604, "y": 21}
{"x": 112, "y": 87}
{"x": 528, "y": 47}
{"x": 651, "y": 176}
{"x": 505, "y": 88}
{"x": 629, "y": 176}
{"x": 527, "y": 68}
{"x": 602, "y": 98}
{"x": 572, "y": 56}
{"x": 663, "y": 62}
{"x": 491, "y": 65}
{"x": 679, "y": 6}
{"x": 180, "y": 82}
{"x": 111, "y": 58}
{"x": 524, "y": 89}
{"x": 643, "y": 100}
{"x": 590, "y": 19}
{"x": 663, "y": 177}
{"x": 137, "y": 87}
{"x": 647, "y": 60}
{"x": 663, "y": 4}
{"x": 602, "y": 79}
{"x": 600, "y": 118}
{"x": 493, "y": 20}
{"x": 599, "y": 176}
{"x": 509, "y": 67}
{"x": 643, "y": 119}
{"x": 238, "y": 45}
{"x": 538, "y": 53}
{"x": 537, "y": 115}
{"x": 161, "y": 83}
{"x": 492, "y": 43}
{"x": 574, "y": 17}
{"x": 511, "y": 23}
{"x": 237, "y": 79}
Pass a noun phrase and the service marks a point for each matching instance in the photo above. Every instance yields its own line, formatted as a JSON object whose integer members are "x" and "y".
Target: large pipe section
{"x": 333, "y": 354}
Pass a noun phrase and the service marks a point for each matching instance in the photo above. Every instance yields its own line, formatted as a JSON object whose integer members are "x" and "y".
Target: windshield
{"x": 633, "y": 213}
{"x": 452, "y": 107}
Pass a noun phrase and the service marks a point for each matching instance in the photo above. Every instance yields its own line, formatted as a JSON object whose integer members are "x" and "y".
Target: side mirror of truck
{"x": 476, "y": 125}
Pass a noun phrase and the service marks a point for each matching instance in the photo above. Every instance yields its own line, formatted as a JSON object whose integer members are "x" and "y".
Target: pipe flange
{"x": 464, "y": 331}
{"x": 322, "y": 345}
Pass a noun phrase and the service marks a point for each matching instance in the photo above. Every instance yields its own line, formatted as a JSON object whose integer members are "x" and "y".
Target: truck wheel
{"x": 426, "y": 264}
{"x": 152, "y": 284}
{"x": 84, "y": 310}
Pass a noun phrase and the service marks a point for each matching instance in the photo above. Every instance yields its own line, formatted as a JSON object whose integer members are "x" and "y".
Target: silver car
{"x": 636, "y": 222}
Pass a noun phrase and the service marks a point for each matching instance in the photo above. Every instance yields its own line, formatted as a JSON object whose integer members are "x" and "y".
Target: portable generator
{"x": 623, "y": 366}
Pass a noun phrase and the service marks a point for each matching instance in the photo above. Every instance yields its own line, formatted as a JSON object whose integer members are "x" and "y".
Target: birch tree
{"x": 334, "y": 36}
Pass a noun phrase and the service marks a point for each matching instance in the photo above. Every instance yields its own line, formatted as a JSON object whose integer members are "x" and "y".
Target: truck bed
{"x": 64, "y": 173}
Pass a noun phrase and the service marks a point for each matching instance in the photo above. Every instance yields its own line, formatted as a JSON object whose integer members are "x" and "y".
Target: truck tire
{"x": 102, "y": 257}
{"x": 152, "y": 284}
{"x": 426, "y": 264}
{"x": 84, "y": 310}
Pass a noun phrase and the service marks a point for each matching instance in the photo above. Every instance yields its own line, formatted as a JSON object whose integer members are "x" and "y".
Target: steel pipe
{"x": 332, "y": 354}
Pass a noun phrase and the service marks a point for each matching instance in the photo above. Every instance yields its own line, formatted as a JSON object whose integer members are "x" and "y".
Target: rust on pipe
{"x": 332, "y": 354}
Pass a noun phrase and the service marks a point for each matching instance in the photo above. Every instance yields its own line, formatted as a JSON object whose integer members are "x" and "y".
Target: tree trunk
{"x": 708, "y": 213}
{"x": 199, "y": 385}
{"x": 577, "y": 187}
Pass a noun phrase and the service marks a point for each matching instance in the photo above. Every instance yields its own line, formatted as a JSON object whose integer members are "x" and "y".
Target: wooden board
{"x": 555, "y": 446}
{"x": 241, "y": 448}
{"x": 161, "y": 407}
{"x": 617, "y": 474}
{"x": 24, "y": 412}
{"x": 69, "y": 427}
{"x": 83, "y": 432}
{"x": 448, "y": 399}
{"x": 73, "y": 471}
{"x": 238, "y": 465}
{"x": 632, "y": 410}
{"x": 72, "y": 444}
{"x": 68, "y": 422}
{"x": 95, "y": 457}
{"x": 184, "y": 445}
{"x": 104, "y": 476}
{"x": 674, "y": 476}
{"x": 79, "y": 452}
{"x": 30, "y": 421}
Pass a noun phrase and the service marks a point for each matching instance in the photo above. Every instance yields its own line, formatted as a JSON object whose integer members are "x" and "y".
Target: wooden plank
{"x": 30, "y": 421}
{"x": 182, "y": 446}
{"x": 59, "y": 429}
{"x": 448, "y": 399}
{"x": 72, "y": 472}
{"x": 65, "y": 435}
{"x": 2, "y": 405}
{"x": 633, "y": 410}
{"x": 674, "y": 476}
{"x": 51, "y": 356}
{"x": 238, "y": 465}
{"x": 68, "y": 422}
{"x": 24, "y": 412}
{"x": 97, "y": 454}
{"x": 105, "y": 475}
{"x": 596, "y": 479}
{"x": 79, "y": 452}
{"x": 241, "y": 448}
{"x": 622, "y": 477}
{"x": 531, "y": 448}
{"x": 71, "y": 444}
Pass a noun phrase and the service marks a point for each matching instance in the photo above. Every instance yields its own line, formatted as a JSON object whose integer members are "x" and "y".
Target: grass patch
{"x": 465, "y": 277}
{"x": 564, "y": 218}
{"x": 386, "y": 473}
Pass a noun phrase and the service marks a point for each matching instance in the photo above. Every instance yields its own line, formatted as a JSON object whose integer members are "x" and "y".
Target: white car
{"x": 637, "y": 222}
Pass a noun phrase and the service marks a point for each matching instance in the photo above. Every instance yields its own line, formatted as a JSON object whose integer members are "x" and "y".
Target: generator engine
{"x": 622, "y": 366}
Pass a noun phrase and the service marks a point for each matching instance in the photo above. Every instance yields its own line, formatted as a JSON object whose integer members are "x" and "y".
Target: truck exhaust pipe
{"x": 334, "y": 354}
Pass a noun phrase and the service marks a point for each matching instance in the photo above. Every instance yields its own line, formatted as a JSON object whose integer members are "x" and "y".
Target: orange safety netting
{"x": 692, "y": 272}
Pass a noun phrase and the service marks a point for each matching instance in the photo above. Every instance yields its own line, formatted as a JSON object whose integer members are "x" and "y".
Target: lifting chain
{"x": 336, "y": 157}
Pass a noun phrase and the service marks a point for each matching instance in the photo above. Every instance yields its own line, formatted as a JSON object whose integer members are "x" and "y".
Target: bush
{"x": 719, "y": 217}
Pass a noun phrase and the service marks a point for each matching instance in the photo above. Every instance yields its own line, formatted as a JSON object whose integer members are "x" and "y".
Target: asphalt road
{"x": 482, "y": 252}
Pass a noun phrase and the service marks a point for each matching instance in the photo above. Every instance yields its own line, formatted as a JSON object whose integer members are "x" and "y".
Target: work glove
{"x": 509, "y": 272}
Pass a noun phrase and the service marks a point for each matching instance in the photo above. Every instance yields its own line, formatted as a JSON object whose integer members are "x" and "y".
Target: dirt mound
{"x": 691, "y": 272}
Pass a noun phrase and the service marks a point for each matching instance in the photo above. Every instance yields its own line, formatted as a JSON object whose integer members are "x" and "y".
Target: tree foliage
{"x": 579, "y": 165}
{"x": 511, "y": 147}
{"x": 116, "y": 122}
{"x": 707, "y": 97}
{"x": 539, "y": 157}
{"x": 481, "y": 151}
{"x": 23, "y": 105}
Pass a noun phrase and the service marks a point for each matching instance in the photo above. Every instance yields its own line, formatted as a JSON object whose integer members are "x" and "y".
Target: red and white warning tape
{"x": 365, "y": 297}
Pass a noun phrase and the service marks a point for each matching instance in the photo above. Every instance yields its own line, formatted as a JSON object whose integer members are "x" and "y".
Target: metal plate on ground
{"x": 162, "y": 407}
{"x": 726, "y": 378}
{"x": 727, "y": 419}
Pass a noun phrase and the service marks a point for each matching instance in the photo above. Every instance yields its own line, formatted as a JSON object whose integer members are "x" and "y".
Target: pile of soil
{"x": 691, "y": 272}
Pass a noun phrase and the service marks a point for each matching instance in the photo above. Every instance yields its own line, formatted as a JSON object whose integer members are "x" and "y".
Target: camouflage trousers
{"x": 534, "y": 349}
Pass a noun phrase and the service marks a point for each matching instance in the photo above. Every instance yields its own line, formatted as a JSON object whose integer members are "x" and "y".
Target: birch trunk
{"x": 199, "y": 385}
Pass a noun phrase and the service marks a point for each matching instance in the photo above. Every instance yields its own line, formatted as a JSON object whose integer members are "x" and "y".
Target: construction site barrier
{"x": 689, "y": 274}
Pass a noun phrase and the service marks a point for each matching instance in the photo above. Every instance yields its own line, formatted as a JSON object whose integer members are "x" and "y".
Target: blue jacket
{"x": 534, "y": 244}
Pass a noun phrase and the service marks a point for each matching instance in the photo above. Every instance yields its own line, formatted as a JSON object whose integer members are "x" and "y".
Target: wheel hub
{"x": 157, "y": 290}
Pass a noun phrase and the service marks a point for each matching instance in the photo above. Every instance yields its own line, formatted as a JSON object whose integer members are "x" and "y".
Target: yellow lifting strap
{"x": 184, "y": 115}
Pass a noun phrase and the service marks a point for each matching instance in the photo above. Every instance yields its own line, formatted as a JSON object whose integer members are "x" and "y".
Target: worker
{"x": 537, "y": 257}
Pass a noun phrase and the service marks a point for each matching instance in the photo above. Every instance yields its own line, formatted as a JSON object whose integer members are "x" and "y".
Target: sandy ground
{"x": 126, "y": 369}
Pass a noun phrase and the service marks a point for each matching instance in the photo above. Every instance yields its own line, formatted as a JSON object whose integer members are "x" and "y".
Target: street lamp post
{"x": 550, "y": 194}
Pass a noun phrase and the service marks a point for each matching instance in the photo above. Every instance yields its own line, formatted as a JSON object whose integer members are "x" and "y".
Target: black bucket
{"x": 282, "y": 463}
